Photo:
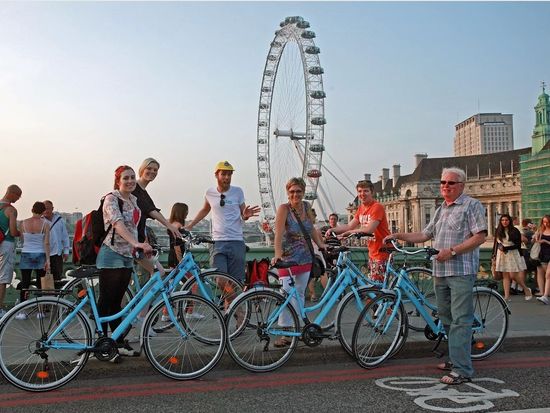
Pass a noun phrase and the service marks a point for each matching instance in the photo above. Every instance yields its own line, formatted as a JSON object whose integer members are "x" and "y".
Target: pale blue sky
{"x": 85, "y": 87}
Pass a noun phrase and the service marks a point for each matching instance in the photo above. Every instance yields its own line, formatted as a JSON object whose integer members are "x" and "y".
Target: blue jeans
{"x": 229, "y": 257}
{"x": 455, "y": 308}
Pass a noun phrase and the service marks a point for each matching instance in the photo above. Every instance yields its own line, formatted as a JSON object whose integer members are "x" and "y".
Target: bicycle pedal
{"x": 333, "y": 337}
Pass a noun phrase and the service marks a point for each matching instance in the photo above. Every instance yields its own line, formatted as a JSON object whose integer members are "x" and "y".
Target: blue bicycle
{"x": 382, "y": 327}
{"x": 53, "y": 345}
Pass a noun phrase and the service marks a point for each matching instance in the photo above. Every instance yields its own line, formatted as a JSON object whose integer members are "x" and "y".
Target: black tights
{"x": 26, "y": 276}
{"x": 112, "y": 286}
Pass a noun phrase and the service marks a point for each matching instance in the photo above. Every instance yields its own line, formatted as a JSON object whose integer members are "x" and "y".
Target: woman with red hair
{"x": 121, "y": 215}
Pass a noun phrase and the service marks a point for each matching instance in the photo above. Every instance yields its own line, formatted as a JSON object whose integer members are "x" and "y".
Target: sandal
{"x": 454, "y": 379}
{"x": 447, "y": 366}
{"x": 282, "y": 342}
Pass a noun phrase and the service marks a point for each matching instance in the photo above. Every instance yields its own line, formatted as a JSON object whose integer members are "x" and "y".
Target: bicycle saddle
{"x": 85, "y": 271}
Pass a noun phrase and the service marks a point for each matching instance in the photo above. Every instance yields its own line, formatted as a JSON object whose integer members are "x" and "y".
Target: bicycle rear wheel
{"x": 254, "y": 328}
{"x": 422, "y": 278}
{"x": 221, "y": 287}
{"x": 27, "y": 360}
{"x": 188, "y": 347}
{"x": 380, "y": 328}
{"x": 490, "y": 322}
{"x": 76, "y": 290}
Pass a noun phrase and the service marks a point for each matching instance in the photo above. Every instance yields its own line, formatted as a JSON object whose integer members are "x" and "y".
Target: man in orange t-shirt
{"x": 370, "y": 218}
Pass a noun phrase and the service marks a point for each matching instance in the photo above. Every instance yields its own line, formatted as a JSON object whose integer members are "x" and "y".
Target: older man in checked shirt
{"x": 458, "y": 228}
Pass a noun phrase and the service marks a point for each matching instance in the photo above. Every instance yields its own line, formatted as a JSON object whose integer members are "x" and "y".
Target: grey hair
{"x": 457, "y": 171}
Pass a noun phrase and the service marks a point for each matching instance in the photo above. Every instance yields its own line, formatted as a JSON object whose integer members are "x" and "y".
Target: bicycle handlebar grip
{"x": 364, "y": 234}
{"x": 184, "y": 232}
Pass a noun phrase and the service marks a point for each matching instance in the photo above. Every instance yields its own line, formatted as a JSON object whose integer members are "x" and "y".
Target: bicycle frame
{"x": 348, "y": 276}
{"x": 147, "y": 294}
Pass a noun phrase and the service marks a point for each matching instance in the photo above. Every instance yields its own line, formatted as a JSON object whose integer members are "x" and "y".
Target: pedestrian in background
{"x": 8, "y": 227}
{"x": 509, "y": 261}
{"x": 35, "y": 254}
{"x": 458, "y": 228}
{"x": 542, "y": 237}
{"x": 59, "y": 240}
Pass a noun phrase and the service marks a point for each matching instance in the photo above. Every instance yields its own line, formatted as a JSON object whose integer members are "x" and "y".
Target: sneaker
{"x": 165, "y": 318}
{"x": 40, "y": 315}
{"x": 543, "y": 299}
{"x": 21, "y": 316}
{"x": 194, "y": 316}
{"x": 117, "y": 359}
{"x": 125, "y": 349}
{"x": 2, "y": 312}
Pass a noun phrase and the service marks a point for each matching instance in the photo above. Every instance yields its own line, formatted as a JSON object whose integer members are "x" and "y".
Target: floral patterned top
{"x": 130, "y": 216}
{"x": 295, "y": 246}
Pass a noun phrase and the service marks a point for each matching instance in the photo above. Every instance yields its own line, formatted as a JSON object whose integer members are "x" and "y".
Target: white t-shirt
{"x": 227, "y": 224}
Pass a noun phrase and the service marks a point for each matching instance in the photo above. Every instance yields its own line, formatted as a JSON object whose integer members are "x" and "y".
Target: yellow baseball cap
{"x": 224, "y": 166}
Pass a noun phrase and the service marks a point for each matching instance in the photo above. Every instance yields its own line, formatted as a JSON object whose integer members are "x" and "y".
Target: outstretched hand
{"x": 250, "y": 211}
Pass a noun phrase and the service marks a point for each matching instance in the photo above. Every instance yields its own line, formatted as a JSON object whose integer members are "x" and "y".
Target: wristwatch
{"x": 453, "y": 252}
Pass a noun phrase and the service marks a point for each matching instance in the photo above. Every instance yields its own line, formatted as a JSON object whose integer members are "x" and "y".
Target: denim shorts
{"x": 32, "y": 261}
{"x": 107, "y": 258}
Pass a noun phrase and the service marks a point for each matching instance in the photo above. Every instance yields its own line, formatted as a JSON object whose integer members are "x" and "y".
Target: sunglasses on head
{"x": 450, "y": 183}
{"x": 222, "y": 200}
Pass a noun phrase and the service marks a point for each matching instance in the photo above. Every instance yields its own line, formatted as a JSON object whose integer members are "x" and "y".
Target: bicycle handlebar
{"x": 427, "y": 250}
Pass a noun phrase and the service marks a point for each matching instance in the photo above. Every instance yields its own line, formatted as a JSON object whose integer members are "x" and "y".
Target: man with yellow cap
{"x": 228, "y": 213}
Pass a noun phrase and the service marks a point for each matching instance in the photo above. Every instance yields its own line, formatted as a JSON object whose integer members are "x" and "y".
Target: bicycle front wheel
{"x": 380, "y": 328}
{"x": 348, "y": 311}
{"x": 221, "y": 288}
{"x": 257, "y": 323}
{"x": 190, "y": 346}
{"x": 490, "y": 322}
{"x": 30, "y": 357}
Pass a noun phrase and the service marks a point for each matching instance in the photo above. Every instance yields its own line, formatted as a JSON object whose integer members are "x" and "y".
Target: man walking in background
{"x": 8, "y": 226}
{"x": 59, "y": 240}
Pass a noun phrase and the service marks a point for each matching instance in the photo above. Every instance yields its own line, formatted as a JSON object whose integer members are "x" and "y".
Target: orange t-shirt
{"x": 374, "y": 212}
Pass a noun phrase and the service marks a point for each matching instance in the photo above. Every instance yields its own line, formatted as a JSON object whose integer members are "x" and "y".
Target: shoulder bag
{"x": 316, "y": 267}
{"x": 535, "y": 251}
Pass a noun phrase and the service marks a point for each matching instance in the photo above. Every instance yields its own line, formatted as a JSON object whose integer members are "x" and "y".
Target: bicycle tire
{"x": 347, "y": 314}
{"x": 371, "y": 347}
{"x": 252, "y": 345}
{"x": 490, "y": 322}
{"x": 423, "y": 280}
{"x": 184, "y": 357}
{"x": 76, "y": 290}
{"x": 222, "y": 288}
{"x": 26, "y": 361}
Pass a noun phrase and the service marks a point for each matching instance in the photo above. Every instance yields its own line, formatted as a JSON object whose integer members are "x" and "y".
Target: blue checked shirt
{"x": 450, "y": 226}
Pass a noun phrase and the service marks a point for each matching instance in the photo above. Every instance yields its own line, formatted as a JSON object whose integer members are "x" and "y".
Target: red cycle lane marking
{"x": 245, "y": 382}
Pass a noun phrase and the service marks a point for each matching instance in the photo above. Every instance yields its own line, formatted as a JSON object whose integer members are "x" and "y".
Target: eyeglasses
{"x": 222, "y": 200}
{"x": 295, "y": 191}
{"x": 450, "y": 183}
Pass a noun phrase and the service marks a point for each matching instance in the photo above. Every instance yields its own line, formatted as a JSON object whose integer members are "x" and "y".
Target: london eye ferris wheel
{"x": 291, "y": 116}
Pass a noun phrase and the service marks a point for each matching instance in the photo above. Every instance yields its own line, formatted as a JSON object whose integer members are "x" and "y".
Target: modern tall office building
{"x": 484, "y": 133}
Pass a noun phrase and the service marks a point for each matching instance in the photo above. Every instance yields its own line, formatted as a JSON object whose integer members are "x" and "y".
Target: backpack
{"x": 89, "y": 235}
{"x": 257, "y": 273}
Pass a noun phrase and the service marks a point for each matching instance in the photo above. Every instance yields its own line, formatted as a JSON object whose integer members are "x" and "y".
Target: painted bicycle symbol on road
{"x": 430, "y": 394}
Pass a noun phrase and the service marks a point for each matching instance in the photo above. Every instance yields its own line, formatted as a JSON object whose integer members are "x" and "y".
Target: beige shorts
{"x": 7, "y": 261}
